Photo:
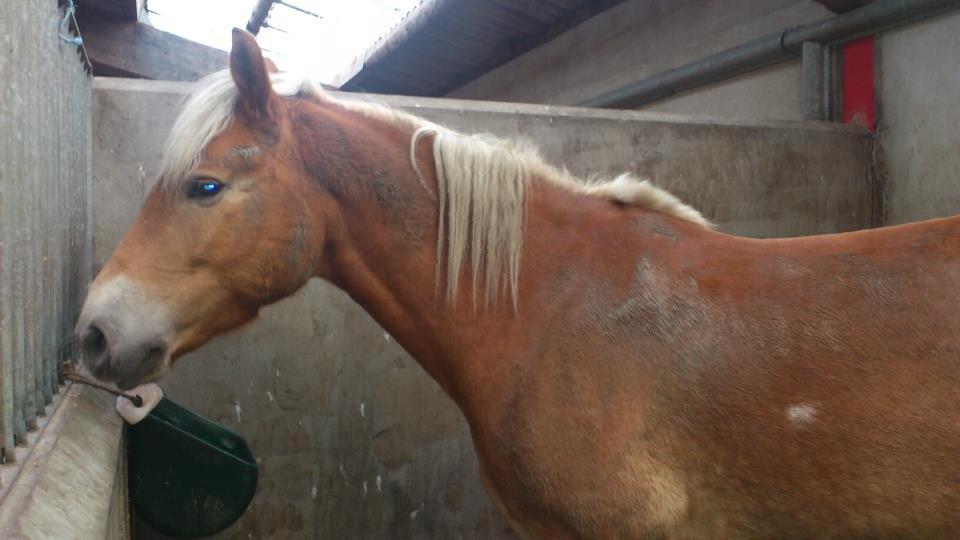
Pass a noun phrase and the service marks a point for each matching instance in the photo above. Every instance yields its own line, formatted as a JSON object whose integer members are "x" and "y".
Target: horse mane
{"x": 482, "y": 181}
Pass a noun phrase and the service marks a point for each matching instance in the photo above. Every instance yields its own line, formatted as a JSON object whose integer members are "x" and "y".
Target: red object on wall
{"x": 859, "y": 96}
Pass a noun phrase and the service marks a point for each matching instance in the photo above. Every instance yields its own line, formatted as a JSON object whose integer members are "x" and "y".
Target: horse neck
{"x": 381, "y": 238}
{"x": 384, "y": 255}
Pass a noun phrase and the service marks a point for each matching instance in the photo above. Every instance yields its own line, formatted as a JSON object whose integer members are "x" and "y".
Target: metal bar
{"x": 814, "y": 107}
{"x": 6, "y": 382}
{"x": 873, "y": 18}
{"x": 272, "y": 27}
{"x": 46, "y": 209}
{"x": 45, "y": 141}
{"x": 6, "y": 270}
{"x": 31, "y": 182}
{"x": 297, "y": 8}
{"x": 259, "y": 15}
{"x": 830, "y": 86}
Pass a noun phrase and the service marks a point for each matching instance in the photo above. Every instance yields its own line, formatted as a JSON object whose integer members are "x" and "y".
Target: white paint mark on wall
{"x": 364, "y": 489}
{"x": 313, "y": 492}
{"x": 363, "y": 409}
{"x": 386, "y": 337}
{"x": 239, "y": 410}
{"x": 379, "y": 484}
{"x": 413, "y": 515}
{"x": 270, "y": 396}
{"x": 343, "y": 473}
{"x": 803, "y": 413}
{"x": 278, "y": 372}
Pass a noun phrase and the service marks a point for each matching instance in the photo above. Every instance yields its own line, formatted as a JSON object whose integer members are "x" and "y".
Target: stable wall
{"x": 60, "y": 446}
{"x": 918, "y": 86}
{"x": 640, "y": 38}
{"x": 353, "y": 438}
{"x": 917, "y": 82}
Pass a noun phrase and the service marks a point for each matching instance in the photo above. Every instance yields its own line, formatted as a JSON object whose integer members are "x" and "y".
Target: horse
{"x": 626, "y": 370}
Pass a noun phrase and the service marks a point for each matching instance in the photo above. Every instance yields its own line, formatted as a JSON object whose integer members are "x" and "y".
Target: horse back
{"x": 800, "y": 388}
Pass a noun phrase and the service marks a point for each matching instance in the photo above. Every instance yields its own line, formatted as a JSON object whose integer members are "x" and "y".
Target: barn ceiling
{"x": 443, "y": 44}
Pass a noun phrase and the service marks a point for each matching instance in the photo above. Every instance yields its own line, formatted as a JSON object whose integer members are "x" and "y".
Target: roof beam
{"x": 124, "y": 48}
{"x": 128, "y": 10}
{"x": 443, "y": 44}
{"x": 843, "y": 6}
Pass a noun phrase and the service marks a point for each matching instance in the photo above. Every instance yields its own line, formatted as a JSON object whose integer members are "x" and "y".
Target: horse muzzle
{"x": 121, "y": 335}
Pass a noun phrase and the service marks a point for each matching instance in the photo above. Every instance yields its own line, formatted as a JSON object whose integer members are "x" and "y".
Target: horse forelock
{"x": 481, "y": 180}
{"x": 206, "y": 112}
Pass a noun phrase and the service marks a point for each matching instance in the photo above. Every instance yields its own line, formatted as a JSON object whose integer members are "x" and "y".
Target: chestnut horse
{"x": 626, "y": 371}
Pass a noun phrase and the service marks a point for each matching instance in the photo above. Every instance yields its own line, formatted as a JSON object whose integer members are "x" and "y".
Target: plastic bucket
{"x": 189, "y": 477}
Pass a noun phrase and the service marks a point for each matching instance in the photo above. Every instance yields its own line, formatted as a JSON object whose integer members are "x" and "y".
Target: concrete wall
{"x": 354, "y": 440}
{"x": 640, "y": 38}
{"x": 918, "y": 82}
{"x": 918, "y": 85}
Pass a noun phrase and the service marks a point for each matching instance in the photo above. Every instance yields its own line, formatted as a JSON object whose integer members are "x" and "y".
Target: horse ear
{"x": 249, "y": 72}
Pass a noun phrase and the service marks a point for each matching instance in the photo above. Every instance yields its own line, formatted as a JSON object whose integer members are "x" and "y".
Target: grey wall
{"x": 45, "y": 166}
{"x": 918, "y": 85}
{"x": 643, "y": 37}
{"x": 917, "y": 82}
{"x": 354, "y": 440}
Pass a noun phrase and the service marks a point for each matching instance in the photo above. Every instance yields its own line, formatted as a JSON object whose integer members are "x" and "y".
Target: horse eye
{"x": 204, "y": 188}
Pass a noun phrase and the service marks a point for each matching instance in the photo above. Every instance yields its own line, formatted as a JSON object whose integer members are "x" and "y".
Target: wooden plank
{"x": 127, "y": 10}
{"x": 131, "y": 49}
{"x": 843, "y": 6}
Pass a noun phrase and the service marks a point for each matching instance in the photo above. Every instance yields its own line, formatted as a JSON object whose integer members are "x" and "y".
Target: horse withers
{"x": 626, "y": 371}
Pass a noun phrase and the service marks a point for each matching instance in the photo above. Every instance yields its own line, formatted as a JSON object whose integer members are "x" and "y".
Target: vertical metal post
{"x": 31, "y": 182}
{"x": 6, "y": 269}
{"x": 814, "y": 103}
{"x": 830, "y": 88}
{"x": 17, "y": 188}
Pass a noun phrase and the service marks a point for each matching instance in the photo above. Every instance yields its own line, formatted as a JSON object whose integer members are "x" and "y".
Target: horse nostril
{"x": 155, "y": 355}
{"x": 93, "y": 345}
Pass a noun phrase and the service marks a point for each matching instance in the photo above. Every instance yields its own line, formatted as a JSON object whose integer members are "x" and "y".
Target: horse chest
{"x": 586, "y": 469}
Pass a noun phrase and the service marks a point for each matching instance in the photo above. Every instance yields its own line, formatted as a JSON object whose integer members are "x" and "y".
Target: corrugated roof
{"x": 443, "y": 44}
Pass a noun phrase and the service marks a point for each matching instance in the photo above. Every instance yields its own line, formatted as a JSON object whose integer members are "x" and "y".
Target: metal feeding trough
{"x": 189, "y": 477}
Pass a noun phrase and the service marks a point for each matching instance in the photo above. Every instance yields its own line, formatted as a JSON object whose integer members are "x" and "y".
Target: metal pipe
{"x": 772, "y": 49}
{"x": 298, "y": 8}
{"x": 259, "y": 15}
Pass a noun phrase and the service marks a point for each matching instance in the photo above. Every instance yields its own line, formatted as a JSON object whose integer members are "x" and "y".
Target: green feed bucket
{"x": 189, "y": 476}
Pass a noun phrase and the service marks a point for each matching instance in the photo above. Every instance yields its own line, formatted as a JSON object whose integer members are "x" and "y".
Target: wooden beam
{"x": 259, "y": 15}
{"x": 131, "y": 49}
{"x": 127, "y": 10}
{"x": 843, "y": 6}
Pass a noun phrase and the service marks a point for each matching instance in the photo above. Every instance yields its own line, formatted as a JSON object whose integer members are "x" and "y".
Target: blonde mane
{"x": 481, "y": 180}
